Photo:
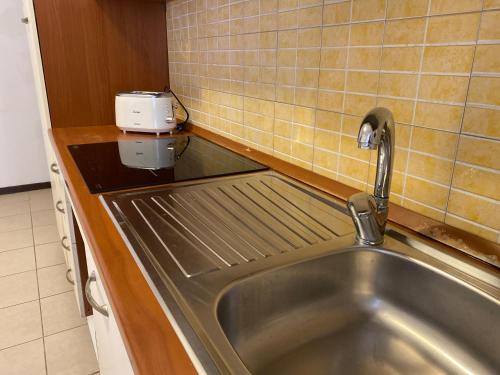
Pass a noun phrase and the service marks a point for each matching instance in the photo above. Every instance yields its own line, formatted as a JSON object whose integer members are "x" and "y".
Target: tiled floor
{"x": 41, "y": 331}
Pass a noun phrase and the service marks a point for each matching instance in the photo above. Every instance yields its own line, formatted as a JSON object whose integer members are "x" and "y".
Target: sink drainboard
{"x": 211, "y": 226}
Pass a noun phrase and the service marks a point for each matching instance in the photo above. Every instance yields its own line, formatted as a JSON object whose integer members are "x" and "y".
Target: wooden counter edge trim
{"x": 455, "y": 238}
{"x": 145, "y": 359}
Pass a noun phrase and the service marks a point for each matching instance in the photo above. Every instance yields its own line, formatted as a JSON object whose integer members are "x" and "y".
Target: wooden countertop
{"x": 151, "y": 342}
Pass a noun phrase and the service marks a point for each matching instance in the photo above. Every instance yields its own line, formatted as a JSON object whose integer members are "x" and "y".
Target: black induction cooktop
{"x": 128, "y": 164}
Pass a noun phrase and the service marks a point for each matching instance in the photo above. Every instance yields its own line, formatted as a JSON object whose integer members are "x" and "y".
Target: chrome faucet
{"x": 369, "y": 212}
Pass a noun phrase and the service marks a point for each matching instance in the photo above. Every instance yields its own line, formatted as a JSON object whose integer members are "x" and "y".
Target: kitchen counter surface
{"x": 152, "y": 344}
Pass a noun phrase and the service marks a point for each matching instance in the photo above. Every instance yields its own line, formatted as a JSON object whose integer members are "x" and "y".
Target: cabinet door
{"x": 91, "y": 326}
{"x": 111, "y": 353}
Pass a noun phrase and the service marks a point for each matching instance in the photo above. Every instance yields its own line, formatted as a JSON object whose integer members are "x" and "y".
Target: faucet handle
{"x": 365, "y": 216}
{"x": 363, "y": 203}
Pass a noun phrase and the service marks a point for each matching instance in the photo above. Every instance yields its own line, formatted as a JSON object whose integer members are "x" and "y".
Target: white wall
{"x": 22, "y": 154}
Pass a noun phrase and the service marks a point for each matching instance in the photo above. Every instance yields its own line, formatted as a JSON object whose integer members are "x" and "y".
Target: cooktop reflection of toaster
{"x": 145, "y": 111}
{"x": 153, "y": 154}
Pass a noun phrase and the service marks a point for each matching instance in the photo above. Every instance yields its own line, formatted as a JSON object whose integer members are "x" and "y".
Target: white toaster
{"x": 145, "y": 111}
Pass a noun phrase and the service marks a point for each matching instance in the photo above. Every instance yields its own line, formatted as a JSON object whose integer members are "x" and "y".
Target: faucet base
{"x": 364, "y": 242}
{"x": 369, "y": 222}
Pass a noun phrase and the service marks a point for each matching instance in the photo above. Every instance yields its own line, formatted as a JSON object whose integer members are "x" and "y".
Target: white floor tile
{"x": 52, "y": 280}
{"x": 70, "y": 352}
{"x": 16, "y": 197}
{"x": 14, "y": 208}
{"x": 19, "y": 324}
{"x": 16, "y": 222}
{"x": 16, "y": 261}
{"x": 45, "y": 217}
{"x": 59, "y": 313}
{"x": 18, "y": 288}
{"x": 24, "y": 359}
{"x": 49, "y": 254}
{"x": 40, "y": 194}
{"x": 41, "y": 200}
{"x": 16, "y": 239}
{"x": 45, "y": 234}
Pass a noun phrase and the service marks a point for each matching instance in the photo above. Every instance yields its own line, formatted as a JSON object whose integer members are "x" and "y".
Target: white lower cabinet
{"x": 108, "y": 344}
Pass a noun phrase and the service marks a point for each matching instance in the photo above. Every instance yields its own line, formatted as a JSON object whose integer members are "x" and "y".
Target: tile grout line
{"x": 30, "y": 270}
{"x": 33, "y": 300}
{"x": 482, "y": 226}
{"x": 344, "y": 92}
{"x": 26, "y": 247}
{"x": 38, "y": 289}
{"x": 377, "y": 98}
{"x": 437, "y": 15}
{"x": 66, "y": 329}
{"x": 296, "y": 49}
{"x": 275, "y": 77}
{"x": 479, "y": 197}
{"x": 317, "y": 86}
{"x": 19, "y": 304}
{"x": 17, "y": 249}
{"x": 457, "y": 147}
{"x": 275, "y": 84}
{"x": 21, "y": 343}
{"x": 417, "y": 92}
{"x": 17, "y": 273}
{"x": 43, "y": 336}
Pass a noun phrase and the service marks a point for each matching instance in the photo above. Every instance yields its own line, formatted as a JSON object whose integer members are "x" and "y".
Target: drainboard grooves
{"x": 230, "y": 224}
{"x": 277, "y": 213}
{"x": 256, "y": 226}
{"x": 214, "y": 246}
{"x": 323, "y": 214}
{"x": 259, "y": 214}
{"x": 308, "y": 222}
{"x": 213, "y": 226}
{"x": 184, "y": 249}
{"x": 220, "y": 241}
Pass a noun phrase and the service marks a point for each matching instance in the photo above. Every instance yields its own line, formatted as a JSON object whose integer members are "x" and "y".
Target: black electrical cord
{"x": 182, "y": 124}
{"x": 184, "y": 149}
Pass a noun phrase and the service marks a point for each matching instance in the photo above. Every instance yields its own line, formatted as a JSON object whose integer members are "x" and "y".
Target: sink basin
{"x": 361, "y": 311}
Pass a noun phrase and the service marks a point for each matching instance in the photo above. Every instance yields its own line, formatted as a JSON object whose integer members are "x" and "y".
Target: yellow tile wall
{"x": 293, "y": 78}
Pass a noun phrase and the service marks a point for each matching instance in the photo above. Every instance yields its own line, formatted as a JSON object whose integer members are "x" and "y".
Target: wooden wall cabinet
{"x": 92, "y": 49}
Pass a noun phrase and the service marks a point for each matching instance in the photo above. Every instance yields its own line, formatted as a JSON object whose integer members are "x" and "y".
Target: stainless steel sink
{"x": 361, "y": 311}
{"x": 259, "y": 274}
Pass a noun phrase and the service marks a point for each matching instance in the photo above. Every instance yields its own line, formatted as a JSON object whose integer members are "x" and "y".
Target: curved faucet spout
{"x": 376, "y": 131}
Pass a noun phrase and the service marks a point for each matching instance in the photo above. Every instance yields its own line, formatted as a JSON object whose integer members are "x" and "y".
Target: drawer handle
{"x": 25, "y": 20}
{"x": 68, "y": 273}
{"x": 54, "y": 168}
{"x": 59, "y": 207}
{"x": 63, "y": 244}
{"x": 103, "y": 309}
